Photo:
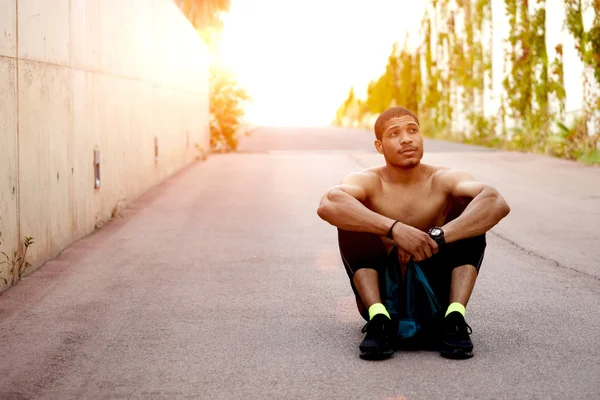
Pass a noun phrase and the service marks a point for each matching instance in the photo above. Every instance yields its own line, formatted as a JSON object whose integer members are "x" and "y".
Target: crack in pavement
{"x": 541, "y": 257}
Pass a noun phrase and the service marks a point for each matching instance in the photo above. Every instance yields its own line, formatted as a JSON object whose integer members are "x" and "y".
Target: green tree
{"x": 446, "y": 78}
{"x": 344, "y": 109}
{"x": 586, "y": 43}
{"x": 400, "y": 84}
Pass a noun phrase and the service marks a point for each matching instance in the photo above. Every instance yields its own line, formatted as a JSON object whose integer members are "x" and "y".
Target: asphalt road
{"x": 223, "y": 283}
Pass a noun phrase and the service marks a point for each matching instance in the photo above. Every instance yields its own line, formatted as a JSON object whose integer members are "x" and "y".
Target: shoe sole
{"x": 376, "y": 354}
{"x": 456, "y": 354}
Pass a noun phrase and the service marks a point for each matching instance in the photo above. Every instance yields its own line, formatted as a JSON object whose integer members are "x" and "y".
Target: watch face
{"x": 436, "y": 231}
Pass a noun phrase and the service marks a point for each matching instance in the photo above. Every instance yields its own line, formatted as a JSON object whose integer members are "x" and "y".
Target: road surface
{"x": 223, "y": 283}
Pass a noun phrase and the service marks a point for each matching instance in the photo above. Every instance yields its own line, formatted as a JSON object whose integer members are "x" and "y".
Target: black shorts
{"x": 366, "y": 250}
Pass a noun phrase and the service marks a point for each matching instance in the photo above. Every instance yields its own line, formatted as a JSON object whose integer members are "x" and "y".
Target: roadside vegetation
{"x": 447, "y": 78}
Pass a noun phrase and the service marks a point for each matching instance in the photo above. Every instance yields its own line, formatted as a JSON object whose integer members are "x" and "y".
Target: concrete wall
{"x": 80, "y": 75}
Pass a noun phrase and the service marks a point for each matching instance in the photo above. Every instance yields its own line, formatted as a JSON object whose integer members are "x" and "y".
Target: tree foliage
{"x": 448, "y": 79}
{"x": 226, "y": 110}
{"x": 205, "y": 16}
{"x": 226, "y": 97}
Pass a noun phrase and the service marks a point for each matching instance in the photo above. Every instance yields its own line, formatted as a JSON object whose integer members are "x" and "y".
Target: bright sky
{"x": 298, "y": 59}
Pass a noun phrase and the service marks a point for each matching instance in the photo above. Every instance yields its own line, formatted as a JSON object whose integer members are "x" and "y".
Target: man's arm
{"x": 486, "y": 209}
{"x": 342, "y": 206}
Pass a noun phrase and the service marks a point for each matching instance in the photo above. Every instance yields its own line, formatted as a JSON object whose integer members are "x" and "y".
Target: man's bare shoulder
{"x": 448, "y": 177}
{"x": 446, "y": 173}
{"x": 368, "y": 178}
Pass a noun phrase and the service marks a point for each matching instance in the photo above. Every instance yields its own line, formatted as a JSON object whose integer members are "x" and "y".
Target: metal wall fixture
{"x": 97, "y": 168}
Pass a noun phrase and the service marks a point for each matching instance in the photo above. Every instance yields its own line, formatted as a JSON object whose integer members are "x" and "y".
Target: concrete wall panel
{"x": 8, "y": 34}
{"x": 92, "y": 74}
{"x": 8, "y": 159}
{"x": 85, "y": 36}
{"x": 166, "y": 129}
{"x": 113, "y": 36}
{"x": 110, "y": 130}
{"x": 82, "y": 149}
{"x": 195, "y": 110}
{"x": 45, "y": 162}
{"x": 138, "y": 156}
{"x": 180, "y": 60}
{"x": 44, "y": 31}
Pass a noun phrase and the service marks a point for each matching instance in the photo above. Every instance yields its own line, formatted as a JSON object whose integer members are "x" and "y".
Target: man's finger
{"x": 434, "y": 246}
{"x": 403, "y": 256}
{"x": 428, "y": 252}
{"x": 415, "y": 254}
{"x": 421, "y": 255}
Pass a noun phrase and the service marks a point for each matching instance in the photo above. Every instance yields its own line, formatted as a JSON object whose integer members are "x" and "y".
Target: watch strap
{"x": 440, "y": 239}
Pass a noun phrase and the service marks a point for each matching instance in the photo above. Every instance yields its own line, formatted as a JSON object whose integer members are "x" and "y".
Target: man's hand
{"x": 416, "y": 243}
{"x": 403, "y": 256}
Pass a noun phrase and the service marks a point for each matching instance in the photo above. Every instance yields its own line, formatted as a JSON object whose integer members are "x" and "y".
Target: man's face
{"x": 401, "y": 142}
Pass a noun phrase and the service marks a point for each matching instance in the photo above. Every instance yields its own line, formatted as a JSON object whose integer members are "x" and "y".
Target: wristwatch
{"x": 437, "y": 234}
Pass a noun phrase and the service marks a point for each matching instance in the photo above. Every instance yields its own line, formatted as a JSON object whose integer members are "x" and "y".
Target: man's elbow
{"x": 501, "y": 205}
{"x": 504, "y": 207}
{"x": 327, "y": 206}
{"x": 323, "y": 210}
{"x": 327, "y": 212}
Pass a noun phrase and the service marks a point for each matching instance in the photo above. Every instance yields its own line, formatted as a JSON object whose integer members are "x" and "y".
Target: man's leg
{"x": 364, "y": 255}
{"x": 462, "y": 283}
{"x": 366, "y": 282}
{"x": 465, "y": 257}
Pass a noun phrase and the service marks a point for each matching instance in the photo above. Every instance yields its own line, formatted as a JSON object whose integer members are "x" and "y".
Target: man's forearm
{"x": 481, "y": 215}
{"x": 345, "y": 212}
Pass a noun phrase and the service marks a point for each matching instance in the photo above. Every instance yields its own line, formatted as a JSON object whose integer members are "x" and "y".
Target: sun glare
{"x": 298, "y": 59}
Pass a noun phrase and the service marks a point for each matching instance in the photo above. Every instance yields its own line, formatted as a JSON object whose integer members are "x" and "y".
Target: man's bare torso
{"x": 422, "y": 203}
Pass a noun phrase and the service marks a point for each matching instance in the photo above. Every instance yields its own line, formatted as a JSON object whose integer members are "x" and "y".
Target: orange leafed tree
{"x": 205, "y": 16}
{"x": 226, "y": 97}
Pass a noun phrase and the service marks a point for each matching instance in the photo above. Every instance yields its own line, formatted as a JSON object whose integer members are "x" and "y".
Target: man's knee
{"x": 361, "y": 249}
{"x": 468, "y": 251}
{"x": 365, "y": 274}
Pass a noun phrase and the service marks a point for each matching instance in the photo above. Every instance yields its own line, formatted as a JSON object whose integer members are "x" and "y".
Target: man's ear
{"x": 379, "y": 146}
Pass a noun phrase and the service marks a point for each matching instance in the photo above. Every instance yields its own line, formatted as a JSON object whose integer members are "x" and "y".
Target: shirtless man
{"x": 404, "y": 210}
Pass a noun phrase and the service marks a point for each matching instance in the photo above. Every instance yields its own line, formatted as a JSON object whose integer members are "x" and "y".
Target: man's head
{"x": 399, "y": 137}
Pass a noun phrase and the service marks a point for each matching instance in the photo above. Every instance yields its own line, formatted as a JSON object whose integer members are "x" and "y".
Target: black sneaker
{"x": 456, "y": 342}
{"x": 377, "y": 344}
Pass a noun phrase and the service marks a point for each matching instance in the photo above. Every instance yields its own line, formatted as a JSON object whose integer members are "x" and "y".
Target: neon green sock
{"x": 456, "y": 307}
{"x": 377, "y": 308}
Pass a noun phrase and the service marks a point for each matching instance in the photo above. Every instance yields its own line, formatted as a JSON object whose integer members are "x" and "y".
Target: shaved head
{"x": 394, "y": 112}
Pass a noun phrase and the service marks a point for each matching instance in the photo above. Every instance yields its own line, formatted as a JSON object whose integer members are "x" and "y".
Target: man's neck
{"x": 405, "y": 176}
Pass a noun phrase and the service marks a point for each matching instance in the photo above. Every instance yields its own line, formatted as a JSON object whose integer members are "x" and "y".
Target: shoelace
{"x": 364, "y": 329}
{"x": 469, "y": 330}
{"x": 458, "y": 328}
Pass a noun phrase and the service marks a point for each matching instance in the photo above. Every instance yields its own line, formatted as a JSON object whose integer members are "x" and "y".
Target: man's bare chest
{"x": 421, "y": 206}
